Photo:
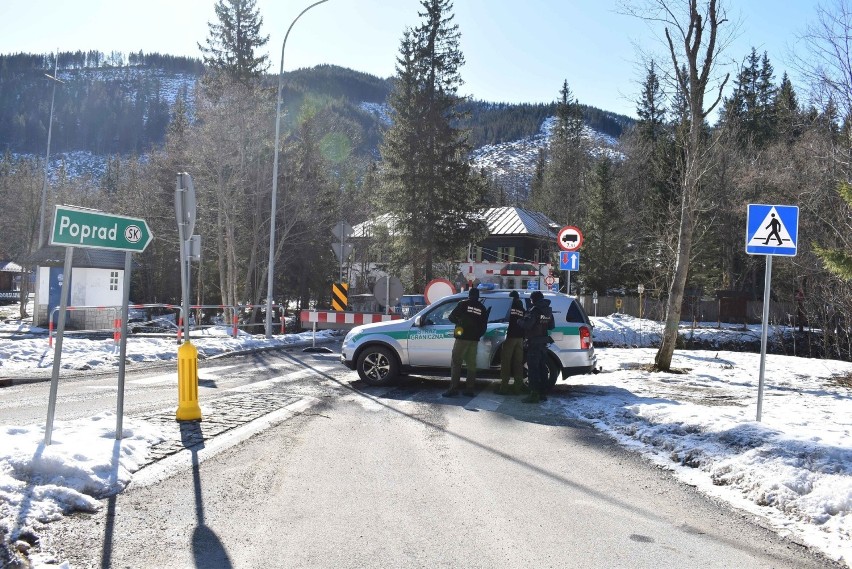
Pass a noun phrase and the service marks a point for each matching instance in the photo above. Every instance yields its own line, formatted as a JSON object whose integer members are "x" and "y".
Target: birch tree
{"x": 691, "y": 29}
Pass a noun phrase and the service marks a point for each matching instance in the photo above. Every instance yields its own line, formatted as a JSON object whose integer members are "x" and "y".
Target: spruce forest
{"x": 665, "y": 207}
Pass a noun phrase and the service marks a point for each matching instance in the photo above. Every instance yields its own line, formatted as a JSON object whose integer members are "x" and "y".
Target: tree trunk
{"x": 692, "y": 80}
{"x": 674, "y": 304}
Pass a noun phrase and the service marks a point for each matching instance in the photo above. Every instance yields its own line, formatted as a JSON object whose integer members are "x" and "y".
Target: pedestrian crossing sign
{"x": 772, "y": 229}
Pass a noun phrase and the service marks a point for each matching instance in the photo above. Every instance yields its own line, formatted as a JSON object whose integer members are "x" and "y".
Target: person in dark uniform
{"x": 537, "y": 325}
{"x": 512, "y": 353}
{"x": 471, "y": 320}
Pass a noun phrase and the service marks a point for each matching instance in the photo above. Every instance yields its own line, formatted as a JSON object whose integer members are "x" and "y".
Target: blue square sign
{"x": 772, "y": 229}
{"x": 569, "y": 261}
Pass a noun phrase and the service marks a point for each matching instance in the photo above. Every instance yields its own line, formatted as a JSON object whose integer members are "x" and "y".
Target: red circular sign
{"x": 548, "y": 280}
{"x": 569, "y": 238}
{"x": 437, "y": 289}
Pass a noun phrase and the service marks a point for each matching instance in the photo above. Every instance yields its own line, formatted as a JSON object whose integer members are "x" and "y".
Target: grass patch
{"x": 652, "y": 368}
{"x": 843, "y": 380}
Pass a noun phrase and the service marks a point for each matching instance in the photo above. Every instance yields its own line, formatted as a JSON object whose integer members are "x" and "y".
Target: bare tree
{"x": 226, "y": 147}
{"x": 692, "y": 37}
{"x": 828, "y": 63}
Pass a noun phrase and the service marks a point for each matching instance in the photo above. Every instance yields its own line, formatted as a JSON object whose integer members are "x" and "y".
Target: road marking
{"x": 154, "y": 379}
{"x": 266, "y": 383}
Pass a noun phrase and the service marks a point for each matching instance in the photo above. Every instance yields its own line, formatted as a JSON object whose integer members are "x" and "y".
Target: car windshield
{"x": 440, "y": 316}
{"x": 498, "y": 309}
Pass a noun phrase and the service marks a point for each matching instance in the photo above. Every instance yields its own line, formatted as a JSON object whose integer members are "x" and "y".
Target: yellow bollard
{"x": 188, "y": 409}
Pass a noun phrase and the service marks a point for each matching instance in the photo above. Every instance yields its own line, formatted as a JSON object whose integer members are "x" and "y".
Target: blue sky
{"x": 515, "y": 51}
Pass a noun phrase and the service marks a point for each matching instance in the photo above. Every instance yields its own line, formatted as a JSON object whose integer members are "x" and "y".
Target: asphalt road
{"x": 355, "y": 476}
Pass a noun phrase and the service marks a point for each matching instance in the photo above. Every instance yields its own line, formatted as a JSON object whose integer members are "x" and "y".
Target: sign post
{"x": 81, "y": 227}
{"x": 342, "y": 250}
{"x": 770, "y": 230}
{"x": 569, "y": 239}
{"x": 188, "y": 408}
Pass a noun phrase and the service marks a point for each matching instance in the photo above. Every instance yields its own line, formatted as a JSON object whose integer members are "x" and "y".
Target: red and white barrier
{"x": 330, "y": 319}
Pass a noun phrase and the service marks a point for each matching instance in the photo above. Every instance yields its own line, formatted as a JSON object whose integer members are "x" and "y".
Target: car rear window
{"x": 576, "y": 314}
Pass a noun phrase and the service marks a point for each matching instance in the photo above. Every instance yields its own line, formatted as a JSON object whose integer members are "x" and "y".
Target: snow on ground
{"x": 792, "y": 469}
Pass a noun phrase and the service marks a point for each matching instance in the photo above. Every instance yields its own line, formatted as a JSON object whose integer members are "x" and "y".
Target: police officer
{"x": 512, "y": 353}
{"x": 471, "y": 320}
{"x": 537, "y": 325}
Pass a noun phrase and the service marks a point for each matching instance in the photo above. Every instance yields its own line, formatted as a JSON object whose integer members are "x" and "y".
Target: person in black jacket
{"x": 471, "y": 320}
{"x": 537, "y": 325}
{"x": 512, "y": 353}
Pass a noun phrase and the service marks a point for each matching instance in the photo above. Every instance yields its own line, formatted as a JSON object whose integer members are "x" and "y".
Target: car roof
{"x": 501, "y": 292}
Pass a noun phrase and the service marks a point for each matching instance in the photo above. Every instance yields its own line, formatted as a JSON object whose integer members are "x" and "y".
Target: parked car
{"x": 423, "y": 344}
{"x": 411, "y": 304}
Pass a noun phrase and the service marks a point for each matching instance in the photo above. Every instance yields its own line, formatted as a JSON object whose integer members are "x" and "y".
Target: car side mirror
{"x": 418, "y": 321}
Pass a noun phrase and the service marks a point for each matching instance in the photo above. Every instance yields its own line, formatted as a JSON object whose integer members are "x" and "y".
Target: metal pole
{"x": 184, "y": 265}
{"x": 47, "y": 155}
{"x": 274, "y": 207}
{"x": 342, "y": 253}
{"x": 57, "y": 351}
{"x": 122, "y": 350}
{"x": 764, "y": 333}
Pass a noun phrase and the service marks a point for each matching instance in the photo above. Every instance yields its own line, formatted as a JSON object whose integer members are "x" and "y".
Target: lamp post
{"x": 275, "y": 177}
{"x": 47, "y": 155}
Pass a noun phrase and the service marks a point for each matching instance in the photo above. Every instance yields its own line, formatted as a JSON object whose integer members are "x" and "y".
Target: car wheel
{"x": 377, "y": 366}
{"x": 552, "y": 372}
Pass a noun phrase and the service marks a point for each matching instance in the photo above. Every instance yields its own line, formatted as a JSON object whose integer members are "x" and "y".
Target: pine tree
{"x": 651, "y": 106}
{"x": 427, "y": 181}
{"x": 787, "y": 112}
{"x": 603, "y": 244}
{"x": 751, "y": 107}
{"x": 233, "y": 39}
{"x": 838, "y": 260}
{"x": 563, "y": 188}
{"x": 650, "y": 191}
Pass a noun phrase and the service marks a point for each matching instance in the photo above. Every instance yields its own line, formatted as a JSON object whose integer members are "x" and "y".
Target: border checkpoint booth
{"x": 97, "y": 279}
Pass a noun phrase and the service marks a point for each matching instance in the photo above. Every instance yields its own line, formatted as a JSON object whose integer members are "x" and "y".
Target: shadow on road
{"x": 207, "y": 549}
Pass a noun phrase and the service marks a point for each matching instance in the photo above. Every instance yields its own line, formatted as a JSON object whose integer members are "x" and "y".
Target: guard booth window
{"x": 506, "y": 254}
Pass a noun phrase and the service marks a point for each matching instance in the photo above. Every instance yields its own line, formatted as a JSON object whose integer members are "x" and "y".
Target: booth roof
{"x": 83, "y": 257}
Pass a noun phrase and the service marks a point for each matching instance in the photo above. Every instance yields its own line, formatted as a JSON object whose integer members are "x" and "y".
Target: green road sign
{"x": 77, "y": 227}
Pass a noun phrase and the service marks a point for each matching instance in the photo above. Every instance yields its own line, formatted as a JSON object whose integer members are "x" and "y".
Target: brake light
{"x": 585, "y": 338}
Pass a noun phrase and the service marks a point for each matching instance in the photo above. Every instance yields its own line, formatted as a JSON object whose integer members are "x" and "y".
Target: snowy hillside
{"x": 512, "y": 164}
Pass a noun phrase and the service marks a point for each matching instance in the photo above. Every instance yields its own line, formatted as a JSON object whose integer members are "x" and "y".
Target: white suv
{"x": 423, "y": 344}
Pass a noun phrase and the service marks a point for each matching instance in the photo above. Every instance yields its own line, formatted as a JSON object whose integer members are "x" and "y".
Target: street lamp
{"x": 47, "y": 155}
{"x": 275, "y": 178}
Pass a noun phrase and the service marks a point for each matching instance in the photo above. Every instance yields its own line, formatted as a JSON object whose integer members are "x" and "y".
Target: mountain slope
{"x": 104, "y": 109}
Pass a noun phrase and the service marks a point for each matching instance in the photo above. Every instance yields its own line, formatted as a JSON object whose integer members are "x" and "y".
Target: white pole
{"x": 47, "y": 155}
{"x": 274, "y": 207}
